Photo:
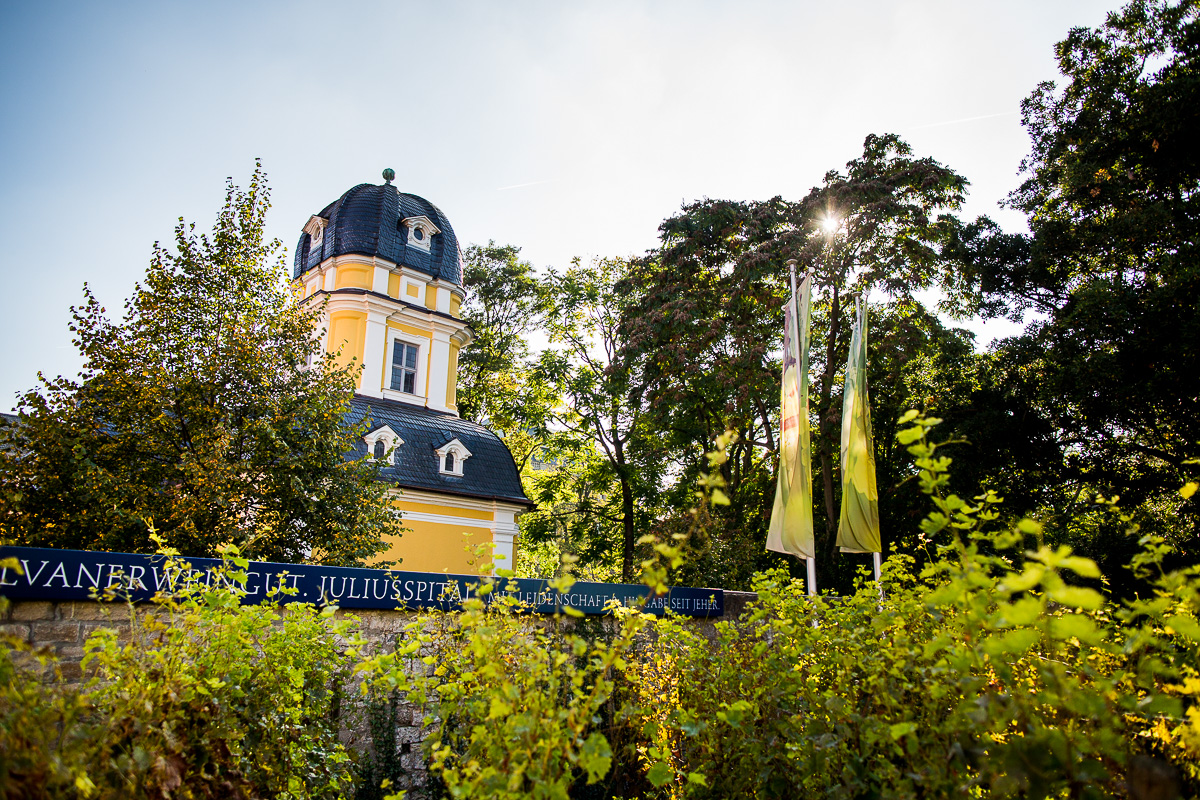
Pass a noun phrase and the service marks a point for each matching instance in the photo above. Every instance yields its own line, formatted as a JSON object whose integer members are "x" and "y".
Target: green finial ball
{"x": 389, "y": 174}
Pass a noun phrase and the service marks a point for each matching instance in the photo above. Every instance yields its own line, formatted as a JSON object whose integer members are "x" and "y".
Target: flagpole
{"x": 810, "y": 563}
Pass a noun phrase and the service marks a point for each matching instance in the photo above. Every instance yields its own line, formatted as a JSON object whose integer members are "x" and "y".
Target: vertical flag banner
{"x": 858, "y": 528}
{"x": 791, "y": 528}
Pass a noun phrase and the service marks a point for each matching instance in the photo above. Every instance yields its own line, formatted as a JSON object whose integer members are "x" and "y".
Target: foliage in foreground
{"x": 995, "y": 672}
{"x": 206, "y": 699}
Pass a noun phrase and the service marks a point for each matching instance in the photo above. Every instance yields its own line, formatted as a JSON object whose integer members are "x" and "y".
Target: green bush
{"x": 206, "y": 698}
{"x": 995, "y": 671}
{"x": 992, "y": 673}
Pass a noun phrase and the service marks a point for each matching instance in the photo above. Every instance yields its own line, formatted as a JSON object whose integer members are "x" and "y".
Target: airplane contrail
{"x": 964, "y": 119}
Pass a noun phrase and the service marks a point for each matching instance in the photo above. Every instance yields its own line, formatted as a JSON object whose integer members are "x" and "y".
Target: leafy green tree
{"x": 498, "y": 387}
{"x": 706, "y": 314}
{"x": 595, "y": 371}
{"x": 210, "y": 413}
{"x": 1109, "y": 272}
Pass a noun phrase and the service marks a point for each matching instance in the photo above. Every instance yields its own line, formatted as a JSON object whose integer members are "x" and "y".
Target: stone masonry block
{"x": 87, "y": 628}
{"x": 54, "y": 631}
{"x": 71, "y": 652}
{"x": 28, "y": 610}
{"x": 88, "y": 611}
{"x": 16, "y": 629}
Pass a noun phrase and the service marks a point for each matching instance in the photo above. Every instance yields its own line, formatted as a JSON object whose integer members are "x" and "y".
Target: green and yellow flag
{"x": 858, "y": 528}
{"x": 791, "y": 528}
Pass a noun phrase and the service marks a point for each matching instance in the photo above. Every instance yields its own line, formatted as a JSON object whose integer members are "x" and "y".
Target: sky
{"x": 565, "y": 128}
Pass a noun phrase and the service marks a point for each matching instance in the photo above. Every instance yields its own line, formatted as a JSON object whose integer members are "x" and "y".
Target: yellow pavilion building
{"x": 389, "y": 269}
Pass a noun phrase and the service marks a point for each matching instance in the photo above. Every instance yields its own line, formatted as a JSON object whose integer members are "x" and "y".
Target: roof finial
{"x": 389, "y": 175}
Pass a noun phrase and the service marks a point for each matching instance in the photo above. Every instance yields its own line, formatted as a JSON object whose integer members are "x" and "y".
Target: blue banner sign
{"x": 63, "y": 575}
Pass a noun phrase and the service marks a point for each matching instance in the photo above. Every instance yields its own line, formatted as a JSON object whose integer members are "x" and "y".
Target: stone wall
{"x": 63, "y": 627}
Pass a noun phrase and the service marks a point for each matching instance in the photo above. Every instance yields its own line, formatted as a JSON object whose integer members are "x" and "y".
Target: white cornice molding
{"x": 456, "y": 501}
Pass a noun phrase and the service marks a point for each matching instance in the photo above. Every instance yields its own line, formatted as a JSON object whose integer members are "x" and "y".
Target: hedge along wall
{"x": 63, "y": 627}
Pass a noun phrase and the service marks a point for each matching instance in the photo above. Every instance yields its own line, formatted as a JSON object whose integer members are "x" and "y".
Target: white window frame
{"x": 315, "y": 228}
{"x": 422, "y": 344}
{"x": 427, "y": 228}
{"x": 391, "y": 440}
{"x": 461, "y": 454}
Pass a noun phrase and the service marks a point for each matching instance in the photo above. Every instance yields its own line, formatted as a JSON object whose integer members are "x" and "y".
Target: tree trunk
{"x": 627, "y": 523}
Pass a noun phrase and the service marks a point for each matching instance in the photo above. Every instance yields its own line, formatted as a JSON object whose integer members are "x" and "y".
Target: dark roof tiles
{"x": 366, "y": 221}
{"x": 489, "y": 473}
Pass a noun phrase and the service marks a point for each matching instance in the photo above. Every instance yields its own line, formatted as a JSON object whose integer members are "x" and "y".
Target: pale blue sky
{"x": 568, "y": 128}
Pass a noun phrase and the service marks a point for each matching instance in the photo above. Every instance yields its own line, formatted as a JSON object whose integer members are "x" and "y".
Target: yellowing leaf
{"x": 1189, "y": 489}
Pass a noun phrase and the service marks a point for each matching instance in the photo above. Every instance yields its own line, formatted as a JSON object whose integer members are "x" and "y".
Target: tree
{"x": 595, "y": 371}
{"x": 706, "y": 312}
{"x": 1109, "y": 361}
{"x": 210, "y": 413}
{"x": 505, "y": 304}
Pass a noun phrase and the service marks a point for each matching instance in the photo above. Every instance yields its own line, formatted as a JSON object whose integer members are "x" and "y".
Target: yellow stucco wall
{"x": 431, "y": 294}
{"x": 348, "y": 330}
{"x": 354, "y": 276}
{"x": 437, "y": 546}
{"x": 455, "y": 304}
{"x": 394, "y": 285}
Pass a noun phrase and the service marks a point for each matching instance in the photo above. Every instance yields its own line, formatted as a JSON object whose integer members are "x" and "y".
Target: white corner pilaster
{"x": 374, "y": 354}
{"x": 379, "y": 281}
{"x": 504, "y": 537}
{"x": 439, "y": 370}
{"x": 443, "y": 299}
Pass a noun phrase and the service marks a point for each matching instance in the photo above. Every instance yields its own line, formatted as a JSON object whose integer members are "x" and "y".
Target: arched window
{"x": 380, "y": 449}
{"x": 451, "y": 457}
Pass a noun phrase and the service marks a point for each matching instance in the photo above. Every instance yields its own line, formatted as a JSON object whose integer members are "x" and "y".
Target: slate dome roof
{"x": 366, "y": 220}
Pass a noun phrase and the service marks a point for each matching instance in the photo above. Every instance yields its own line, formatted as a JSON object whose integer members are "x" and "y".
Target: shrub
{"x": 207, "y": 698}
{"x": 995, "y": 671}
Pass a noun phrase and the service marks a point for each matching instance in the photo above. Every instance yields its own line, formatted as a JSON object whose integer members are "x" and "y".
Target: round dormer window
{"x": 418, "y": 234}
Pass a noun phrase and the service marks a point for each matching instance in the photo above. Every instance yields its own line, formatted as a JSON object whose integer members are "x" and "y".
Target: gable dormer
{"x": 451, "y": 456}
{"x": 315, "y": 228}
{"x": 381, "y": 445}
{"x": 421, "y": 231}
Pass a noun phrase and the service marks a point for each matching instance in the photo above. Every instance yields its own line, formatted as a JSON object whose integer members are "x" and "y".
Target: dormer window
{"x": 381, "y": 445}
{"x": 421, "y": 231}
{"x": 451, "y": 457}
{"x": 316, "y": 230}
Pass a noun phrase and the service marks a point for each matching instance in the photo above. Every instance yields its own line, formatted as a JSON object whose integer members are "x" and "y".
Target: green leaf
{"x": 1084, "y": 567}
{"x": 1184, "y": 625}
{"x": 659, "y": 774}
{"x": 902, "y": 729}
{"x": 1077, "y": 597}
{"x": 1014, "y": 642}
{"x": 1075, "y": 626}
{"x": 1021, "y": 613}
